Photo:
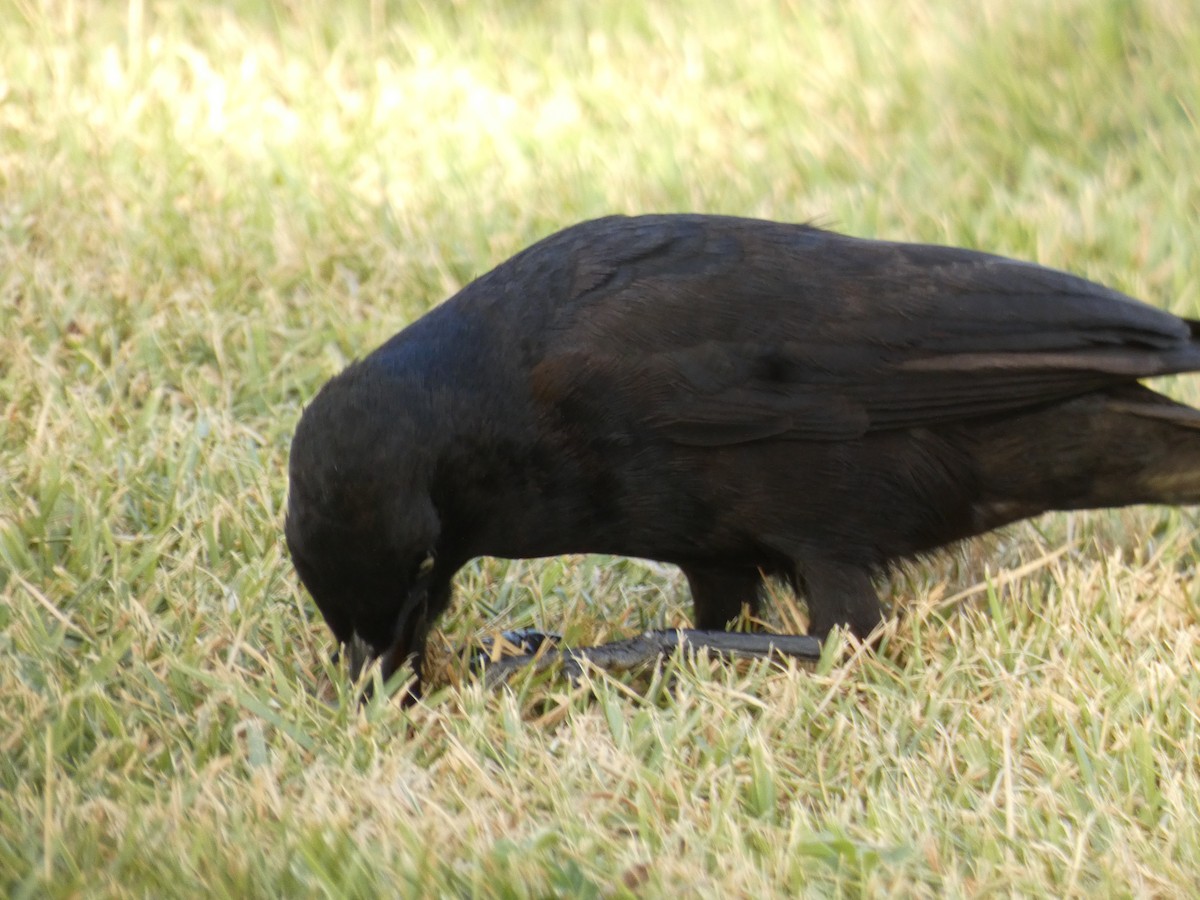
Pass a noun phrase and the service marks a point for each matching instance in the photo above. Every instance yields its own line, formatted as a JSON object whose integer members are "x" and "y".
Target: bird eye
{"x": 426, "y": 565}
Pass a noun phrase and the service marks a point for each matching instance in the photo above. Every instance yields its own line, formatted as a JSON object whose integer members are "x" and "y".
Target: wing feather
{"x": 730, "y": 331}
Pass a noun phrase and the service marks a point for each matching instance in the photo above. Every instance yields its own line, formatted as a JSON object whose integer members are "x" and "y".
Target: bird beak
{"x": 396, "y": 657}
{"x": 358, "y": 656}
{"x": 408, "y": 638}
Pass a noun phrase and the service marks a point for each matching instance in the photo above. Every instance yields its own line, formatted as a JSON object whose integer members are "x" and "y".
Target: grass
{"x": 206, "y": 210}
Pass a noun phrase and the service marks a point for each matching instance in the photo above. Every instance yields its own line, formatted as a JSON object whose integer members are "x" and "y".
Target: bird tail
{"x": 1120, "y": 447}
{"x": 1160, "y": 449}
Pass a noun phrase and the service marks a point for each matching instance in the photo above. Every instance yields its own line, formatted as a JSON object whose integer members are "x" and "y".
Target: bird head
{"x": 362, "y": 528}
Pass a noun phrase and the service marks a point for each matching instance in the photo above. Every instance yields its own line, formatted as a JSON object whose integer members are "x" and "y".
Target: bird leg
{"x": 719, "y": 593}
{"x": 839, "y": 594}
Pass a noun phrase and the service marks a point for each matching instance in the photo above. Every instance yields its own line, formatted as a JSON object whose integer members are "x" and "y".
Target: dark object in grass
{"x": 646, "y": 648}
{"x": 744, "y": 399}
{"x": 518, "y": 642}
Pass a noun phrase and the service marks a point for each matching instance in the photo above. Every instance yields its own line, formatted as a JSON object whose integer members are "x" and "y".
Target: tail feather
{"x": 1152, "y": 453}
{"x": 1138, "y": 400}
{"x": 1121, "y": 447}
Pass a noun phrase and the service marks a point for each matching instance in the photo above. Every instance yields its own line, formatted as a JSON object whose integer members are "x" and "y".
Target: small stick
{"x": 621, "y": 656}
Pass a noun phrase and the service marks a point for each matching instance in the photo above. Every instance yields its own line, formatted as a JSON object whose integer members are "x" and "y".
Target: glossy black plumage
{"x": 738, "y": 397}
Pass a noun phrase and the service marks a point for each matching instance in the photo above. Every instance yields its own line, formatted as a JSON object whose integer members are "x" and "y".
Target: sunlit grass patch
{"x": 207, "y": 210}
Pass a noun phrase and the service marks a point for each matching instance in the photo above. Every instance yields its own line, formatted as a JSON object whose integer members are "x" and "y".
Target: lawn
{"x": 206, "y": 210}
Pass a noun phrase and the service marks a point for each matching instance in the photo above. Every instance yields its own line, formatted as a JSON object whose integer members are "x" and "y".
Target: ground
{"x": 207, "y": 209}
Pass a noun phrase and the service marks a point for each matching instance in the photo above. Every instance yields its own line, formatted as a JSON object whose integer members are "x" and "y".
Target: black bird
{"x": 742, "y": 398}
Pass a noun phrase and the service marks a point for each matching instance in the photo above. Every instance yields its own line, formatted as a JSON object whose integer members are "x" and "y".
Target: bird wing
{"x": 724, "y": 331}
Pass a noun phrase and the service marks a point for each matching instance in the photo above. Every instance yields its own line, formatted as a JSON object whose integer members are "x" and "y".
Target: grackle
{"x": 744, "y": 399}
